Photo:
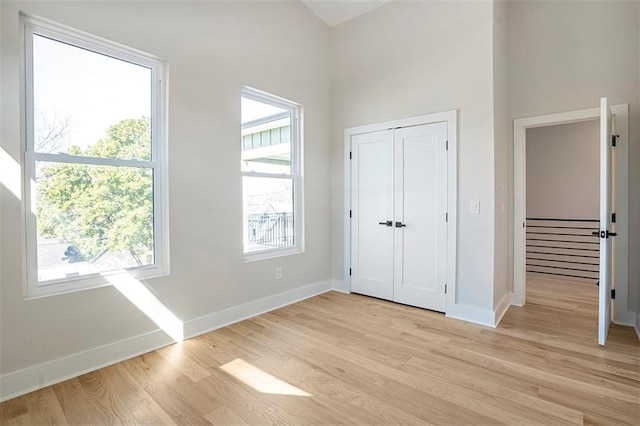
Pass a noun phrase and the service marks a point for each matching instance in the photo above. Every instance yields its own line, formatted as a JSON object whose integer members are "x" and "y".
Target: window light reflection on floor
{"x": 143, "y": 299}
{"x": 259, "y": 380}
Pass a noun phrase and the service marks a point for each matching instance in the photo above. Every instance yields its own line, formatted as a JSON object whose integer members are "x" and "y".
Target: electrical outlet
{"x": 278, "y": 273}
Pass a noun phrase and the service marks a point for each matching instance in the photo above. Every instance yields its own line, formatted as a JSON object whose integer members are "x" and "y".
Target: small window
{"x": 271, "y": 175}
{"x": 95, "y": 155}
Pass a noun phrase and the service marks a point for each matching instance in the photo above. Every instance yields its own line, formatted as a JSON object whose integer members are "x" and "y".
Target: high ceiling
{"x": 335, "y": 12}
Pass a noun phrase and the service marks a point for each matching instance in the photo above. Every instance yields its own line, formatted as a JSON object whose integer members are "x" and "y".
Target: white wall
{"x": 564, "y": 56}
{"x": 412, "y": 58}
{"x": 563, "y": 171}
{"x": 213, "y": 48}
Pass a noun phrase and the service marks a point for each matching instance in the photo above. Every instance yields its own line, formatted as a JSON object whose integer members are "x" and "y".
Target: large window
{"x": 271, "y": 175}
{"x": 95, "y": 155}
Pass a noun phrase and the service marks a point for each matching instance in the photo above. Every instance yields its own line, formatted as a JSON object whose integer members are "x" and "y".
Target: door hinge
{"x": 613, "y": 217}
{"x": 614, "y": 139}
{"x": 446, "y": 145}
{"x": 445, "y": 289}
{"x": 349, "y": 271}
{"x": 350, "y": 155}
{"x": 350, "y": 212}
{"x": 613, "y": 293}
{"x": 446, "y": 217}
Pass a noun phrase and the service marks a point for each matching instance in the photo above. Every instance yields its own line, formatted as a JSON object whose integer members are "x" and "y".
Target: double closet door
{"x": 399, "y": 215}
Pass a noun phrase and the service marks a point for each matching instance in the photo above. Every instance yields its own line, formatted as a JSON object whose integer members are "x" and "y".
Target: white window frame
{"x": 295, "y": 174}
{"x": 34, "y": 288}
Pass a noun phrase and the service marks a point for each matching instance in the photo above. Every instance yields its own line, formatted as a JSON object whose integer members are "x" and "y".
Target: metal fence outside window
{"x": 271, "y": 229}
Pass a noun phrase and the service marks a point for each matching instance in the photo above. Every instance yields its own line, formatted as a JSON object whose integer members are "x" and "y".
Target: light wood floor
{"x": 350, "y": 359}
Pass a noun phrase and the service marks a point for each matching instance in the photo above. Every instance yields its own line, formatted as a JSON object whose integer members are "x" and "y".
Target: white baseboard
{"x": 204, "y": 324}
{"x": 55, "y": 371}
{"x": 625, "y": 318}
{"x": 478, "y": 315}
{"x": 36, "y": 377}
{"x": 471, "y": 314}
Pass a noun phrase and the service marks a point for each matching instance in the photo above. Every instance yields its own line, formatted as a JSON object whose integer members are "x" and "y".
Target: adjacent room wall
{"x": 563, "y": 171}
{"x": 213, "y": 49}
{"x": 566, "y": 55}
{"x": 407, "y": 59}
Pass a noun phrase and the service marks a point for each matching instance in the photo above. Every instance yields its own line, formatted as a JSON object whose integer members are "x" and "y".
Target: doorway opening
{"x": 562, "y": 218}
{"x": 522, "y": 128}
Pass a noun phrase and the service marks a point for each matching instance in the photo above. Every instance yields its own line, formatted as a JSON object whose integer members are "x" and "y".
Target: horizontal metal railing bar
{"x": 562, "y": 227}
{"x": 562, "y": 220}
{"x": 564, "y": 261}
{"x": 556, "y": 255}
{"x": 564, "y": 248}
{"x": 563, "y": 275}
{"x": 562, "y": 254}
{"x": 562, "y": 233}
{"x": 563, "y": 241}
{"x": 564, "y": 269}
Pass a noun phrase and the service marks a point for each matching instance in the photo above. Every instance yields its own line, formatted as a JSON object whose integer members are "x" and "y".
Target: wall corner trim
{"x": 38, "y": 376}
{"x": 515, "y": 300}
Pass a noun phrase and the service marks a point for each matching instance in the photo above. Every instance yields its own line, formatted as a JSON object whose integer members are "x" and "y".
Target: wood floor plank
{"x": 334, "y": 393}
{"x": 77, "y": 406}
{"x": 169, "y": 388}
{"x": 223, "y": 416}
{"x": 349, "y": 359}
{"x": 45, "y": 408}
{"x": 97, "y": 388}
{"x": 139, "y": 403}
{"x": 176, "y": 355}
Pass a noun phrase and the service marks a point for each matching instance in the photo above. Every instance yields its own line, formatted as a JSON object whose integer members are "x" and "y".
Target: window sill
{"x": 89, "y": 282}
{"x": 271, "y": 254}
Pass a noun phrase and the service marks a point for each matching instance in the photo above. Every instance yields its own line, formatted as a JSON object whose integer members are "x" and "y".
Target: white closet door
{"x": 420, "y": 216}
{"x": 372, "y": 207}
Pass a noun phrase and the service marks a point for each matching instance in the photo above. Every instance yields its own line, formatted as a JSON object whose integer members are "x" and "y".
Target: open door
{"x": 604, "y": 311}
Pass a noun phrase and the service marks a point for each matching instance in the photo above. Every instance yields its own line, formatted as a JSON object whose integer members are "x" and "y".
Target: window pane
{"x": 268, "y": 213}
{"x": 266, "y": 138}
{"x": 82, "y": 97}
{"x": 93, "y": 219}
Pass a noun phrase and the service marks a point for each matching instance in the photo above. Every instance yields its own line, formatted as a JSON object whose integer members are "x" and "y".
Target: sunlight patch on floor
{"x": 260, "y": 380}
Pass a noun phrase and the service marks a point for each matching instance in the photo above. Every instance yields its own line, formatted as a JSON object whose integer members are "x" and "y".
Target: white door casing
{"x": 448, "y": 117}
{"x": 621, "y": 315}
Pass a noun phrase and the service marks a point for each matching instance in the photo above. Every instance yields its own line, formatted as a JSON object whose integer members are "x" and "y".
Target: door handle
{"x": 400, "y": 225}
{"x": 387, "y": 223}
{"x": 604, "y": 234}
